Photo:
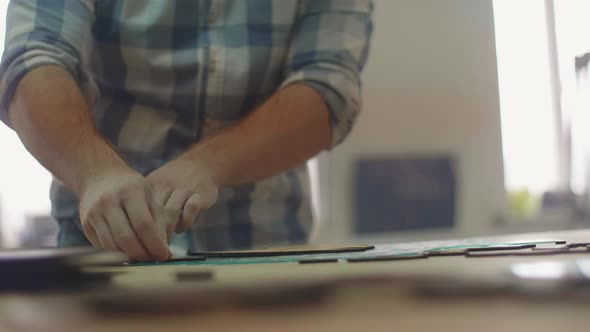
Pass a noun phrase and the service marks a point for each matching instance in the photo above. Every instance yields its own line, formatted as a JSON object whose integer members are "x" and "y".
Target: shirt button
{"x": 212, "y": 17}
{"x": 212, "y": 66}
{"x": 213, "y": 59}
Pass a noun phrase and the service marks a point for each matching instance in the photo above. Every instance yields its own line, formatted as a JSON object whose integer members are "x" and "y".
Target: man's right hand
{"x": 54, "y": 122}
{"x": 115, "y": 215}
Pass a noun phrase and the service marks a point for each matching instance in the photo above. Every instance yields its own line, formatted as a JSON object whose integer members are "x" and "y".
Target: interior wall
{"x": 430, "y": 87}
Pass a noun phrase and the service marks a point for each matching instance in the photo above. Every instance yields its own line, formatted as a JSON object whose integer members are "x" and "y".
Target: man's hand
{"x": 115, "y": 214}
{"x": 181, "y": 189}
{"x": 54, "y": 122}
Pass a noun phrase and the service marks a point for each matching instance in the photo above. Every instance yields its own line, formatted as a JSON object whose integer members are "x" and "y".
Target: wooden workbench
{"x": 437, "y": 293}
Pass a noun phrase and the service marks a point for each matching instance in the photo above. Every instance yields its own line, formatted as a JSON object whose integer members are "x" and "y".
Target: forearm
{"x": 287, "y": 130}
{"x": 53, "y": 121}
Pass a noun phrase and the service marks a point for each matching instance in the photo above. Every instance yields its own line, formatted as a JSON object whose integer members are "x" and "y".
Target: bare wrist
{"x": 102, "y": 160}
{"x": 204, "y": 166}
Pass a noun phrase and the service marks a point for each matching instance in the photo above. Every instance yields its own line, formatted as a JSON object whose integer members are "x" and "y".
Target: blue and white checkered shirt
{"x": 161, "y": 75}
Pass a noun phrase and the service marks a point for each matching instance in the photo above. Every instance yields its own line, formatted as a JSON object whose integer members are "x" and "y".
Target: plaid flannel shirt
{"x": 160, "y": 75}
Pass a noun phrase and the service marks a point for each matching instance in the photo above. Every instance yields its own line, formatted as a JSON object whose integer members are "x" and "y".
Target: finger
{"x": 158, "y": 216}
{"x": 160, "y": 196}
{"x": 173, "y": 210}
{"x": 124, "y": 236}
{"x": 170, "y": 219}
{"x": 104, "y": 235}
{"x": 90, "y": 233}
{"x": 145, "y": 227}
{"x": 191, "y": 210}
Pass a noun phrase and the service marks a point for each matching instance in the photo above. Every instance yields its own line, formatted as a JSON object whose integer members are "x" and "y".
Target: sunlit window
{"x": 24, "y": 184}
{"x": 528, "y": 121}
{"x": 544, "y": 131}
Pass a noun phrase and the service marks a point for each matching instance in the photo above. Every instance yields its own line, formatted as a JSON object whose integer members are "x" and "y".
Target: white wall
{"x": 430, "y": 87}
{"x": 24, "y": 184}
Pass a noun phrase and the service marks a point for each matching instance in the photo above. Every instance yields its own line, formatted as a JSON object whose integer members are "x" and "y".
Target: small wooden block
{"x": 194, "y": 276}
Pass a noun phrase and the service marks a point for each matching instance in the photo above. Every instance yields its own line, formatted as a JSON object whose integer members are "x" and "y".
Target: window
{"x": 528, "y": 133}
{"x": 543, "y": 130}
{"x": 24, "y": 184}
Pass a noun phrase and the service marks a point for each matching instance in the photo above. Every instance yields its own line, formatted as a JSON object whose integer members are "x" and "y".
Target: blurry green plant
{"x": 523, "y": 203}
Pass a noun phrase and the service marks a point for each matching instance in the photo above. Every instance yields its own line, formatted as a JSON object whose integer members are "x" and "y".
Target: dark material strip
{"x": 501, "y": 248}
{"x": 529, "y": 253}
{"x": 320, "y": 260}
{"x": 578, "y": 245}
{"x": 388, "y": 258}
{"x": 266, "y": 253}
{"x": 451, "y": 252}
{"x": 186, "y": 259}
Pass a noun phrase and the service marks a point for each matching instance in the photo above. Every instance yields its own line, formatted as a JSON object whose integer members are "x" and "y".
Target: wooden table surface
{"x": 437, "y": 293}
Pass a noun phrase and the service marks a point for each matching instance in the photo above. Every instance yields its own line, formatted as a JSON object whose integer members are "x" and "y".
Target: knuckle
{"x": 110, "y": 246}
{"x": 160, "y": 183}
{"x": 170, "y": 227}
{"x": 162, "y": 194}
{"x": 184, "y": 192}
{"x": 86, "y": 221}
{"x": 211, "y": 197}
{"x": 90, "y": 220}
{"x": 106, "y": 201}
{"x": 126, "y": 192}
{"x": 187, "y": 220}
{"x": 192, "y": 208}
{"x": 142, "y": 228}
{"x": 86, "y": 225}
{"x": 93, "y": 215}
{"x": 132, "y": 189}
{"x": 172, "y": 213}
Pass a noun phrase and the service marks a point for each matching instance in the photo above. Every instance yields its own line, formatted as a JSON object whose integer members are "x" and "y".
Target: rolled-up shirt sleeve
{"x": 328, "y": 51}
{"x": 43, "y": 32}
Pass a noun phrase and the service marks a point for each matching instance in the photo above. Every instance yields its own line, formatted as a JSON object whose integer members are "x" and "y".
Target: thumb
{"x": 173, "y": 211}
{"x": 195, "y": 204}
{"x": 159, "y": 215}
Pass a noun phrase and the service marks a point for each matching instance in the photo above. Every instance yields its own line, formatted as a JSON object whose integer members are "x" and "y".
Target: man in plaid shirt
{"x": 188, "y": 117}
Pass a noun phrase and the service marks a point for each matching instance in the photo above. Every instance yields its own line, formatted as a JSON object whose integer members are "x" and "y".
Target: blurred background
{"x": 474, "y": 123}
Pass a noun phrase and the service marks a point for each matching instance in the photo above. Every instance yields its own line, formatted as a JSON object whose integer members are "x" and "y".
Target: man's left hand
{"x": 182, "y": 189}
